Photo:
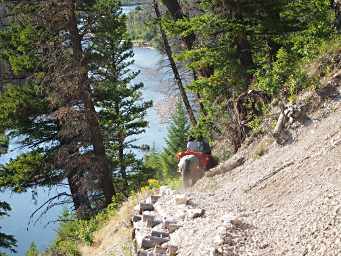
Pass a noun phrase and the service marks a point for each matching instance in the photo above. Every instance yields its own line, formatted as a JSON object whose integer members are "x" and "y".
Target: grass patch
{"x": 173, "y": 182}
{"x": 262, "y": 147}
{"x": 108, "y": 228}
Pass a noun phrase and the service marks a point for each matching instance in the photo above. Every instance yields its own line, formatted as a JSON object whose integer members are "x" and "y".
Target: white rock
{"x": 148, "y": 215}
{"x": 164, "y": 191}
{"x": 172, "y": 227}
{"x": 149, "y": 200}
{"x": 145, "y": 207}
{"x": 159, "y": 250}
{"x": 140, "y": 234}
{"x": 158, "y": 228}
{"x": 137, "y": 209}
{"x": 154, "y": 198}
{"x": 228, "y": 218}
{"x": 181, "y": 199}
{"x": 215, "y": 252}
{"x": 136, "y": 218}
{"x": 218, "y": 240}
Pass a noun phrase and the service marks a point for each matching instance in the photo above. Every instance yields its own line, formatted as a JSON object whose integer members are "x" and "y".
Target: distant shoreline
{"x": 142, "y": 44}
{"x": 134, "y": 4}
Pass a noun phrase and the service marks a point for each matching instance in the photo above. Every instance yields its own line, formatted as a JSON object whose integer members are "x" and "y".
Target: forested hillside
{"x": 69, "y": 96}
{"x": 235, "y": 46}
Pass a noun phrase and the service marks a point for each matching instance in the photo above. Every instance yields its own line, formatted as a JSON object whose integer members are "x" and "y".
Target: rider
{"x": 198, "y": 145}
{"x": 192, "y": 144}
{"x": 204, "y": 146}
{"x": 200, "y": 148}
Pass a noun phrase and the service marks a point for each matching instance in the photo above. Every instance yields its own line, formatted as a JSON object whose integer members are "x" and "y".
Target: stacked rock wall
{"x": 155, "y": 222}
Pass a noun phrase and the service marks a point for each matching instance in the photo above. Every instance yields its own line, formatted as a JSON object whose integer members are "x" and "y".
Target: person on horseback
{"x": 199, "y": 148}
{"x": 195, "y": 161}
{"x": 192, "y": 144}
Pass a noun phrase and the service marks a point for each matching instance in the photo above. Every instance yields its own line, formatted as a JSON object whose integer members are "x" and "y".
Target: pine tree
{"x": 121, "y": 109}
{"x": 53, "y": 106}
{"x": 70, "y": 55}
{"x": 6, "y": 241}
{"x": 176, "y": 140}
{"x": 163, "y": 164}
{"x": 128, "y": 111}
{"x": 33, "y": 250}
{"x": 237, "y": 45}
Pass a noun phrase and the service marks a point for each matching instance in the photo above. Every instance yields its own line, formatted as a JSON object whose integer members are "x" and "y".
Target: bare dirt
{"x": 287, "y": 202}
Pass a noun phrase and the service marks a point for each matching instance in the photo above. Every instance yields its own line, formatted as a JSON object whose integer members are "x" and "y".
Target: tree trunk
{"x": 245, "y": 56}
{"x": 337, "y": 7}
{"x": 80, "y": 200}
{"x": 176, "y": 12}
{"x": 105, "y": 174}
{"x": 174, "y": 67}
{"x": 233, "y": 9}
{"x": 122, "y": 164}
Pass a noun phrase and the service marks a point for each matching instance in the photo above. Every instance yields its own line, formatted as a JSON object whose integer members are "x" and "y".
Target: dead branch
{"x": 226, "y": 167}
{"x": 58, "y": 221}
{"x": 48, "y": 205}
{"x": 270, "y": 175}
{"x": 289, "y": 114}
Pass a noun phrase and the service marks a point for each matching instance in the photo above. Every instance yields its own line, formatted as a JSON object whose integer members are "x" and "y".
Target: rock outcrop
{"x": 157, "y": 218}
{"x": 287, "y": 201}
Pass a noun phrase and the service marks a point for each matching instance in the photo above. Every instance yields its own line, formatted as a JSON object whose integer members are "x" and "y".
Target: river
{"x": 148, "y": 62}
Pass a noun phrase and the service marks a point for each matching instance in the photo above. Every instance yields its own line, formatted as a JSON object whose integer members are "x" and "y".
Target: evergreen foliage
{"x": 6, "y": 241}
{"x": 74, "y": 104}
{"x": 121, "y": 108}
{"x": 165, "y": 162}
{"x": 242, "y": 45}
{"x": 33, "y": 250}
{"x": 3, "y": 143}
{"x": 176, "y": 140}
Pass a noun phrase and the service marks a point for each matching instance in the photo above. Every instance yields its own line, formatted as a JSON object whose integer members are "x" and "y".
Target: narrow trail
{"x": 286, "y": 202}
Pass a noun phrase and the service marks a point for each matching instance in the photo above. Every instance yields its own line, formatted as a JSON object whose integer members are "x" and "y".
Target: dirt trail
{"x": 288, "y": 202}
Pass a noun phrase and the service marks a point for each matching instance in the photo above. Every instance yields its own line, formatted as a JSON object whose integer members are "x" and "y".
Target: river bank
{"x": 142, "y": 44}
{"x": 135, "y": 3}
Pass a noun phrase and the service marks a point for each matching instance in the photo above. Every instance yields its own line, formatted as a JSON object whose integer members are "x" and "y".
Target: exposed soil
{"x": 287, "y": 202}
{"x": 284, "y": 202}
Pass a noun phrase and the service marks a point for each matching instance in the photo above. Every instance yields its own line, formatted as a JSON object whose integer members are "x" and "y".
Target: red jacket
{"x": 204, "y": 159}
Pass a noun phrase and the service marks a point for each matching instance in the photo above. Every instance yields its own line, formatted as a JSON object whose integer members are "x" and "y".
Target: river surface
{"x": 148, "y": 62}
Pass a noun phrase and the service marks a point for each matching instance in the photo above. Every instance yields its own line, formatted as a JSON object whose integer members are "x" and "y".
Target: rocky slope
{"x": 285, "y": 202}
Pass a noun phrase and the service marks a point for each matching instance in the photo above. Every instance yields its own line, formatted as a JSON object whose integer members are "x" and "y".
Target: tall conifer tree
{"x": 70, "y": 55}
{"x": 7, "y": 242}
{"x": 119, "y": 100}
